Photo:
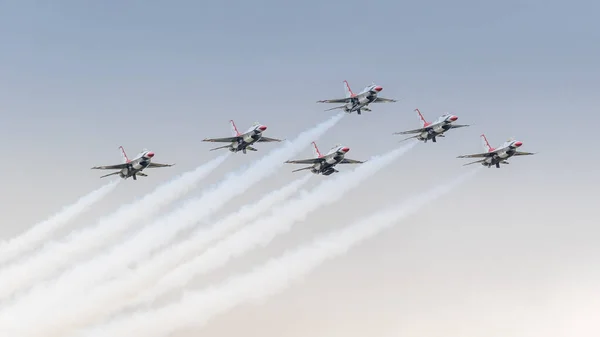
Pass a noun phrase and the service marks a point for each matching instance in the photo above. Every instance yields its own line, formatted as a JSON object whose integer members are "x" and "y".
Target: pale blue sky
{"x": 80, "y": 78}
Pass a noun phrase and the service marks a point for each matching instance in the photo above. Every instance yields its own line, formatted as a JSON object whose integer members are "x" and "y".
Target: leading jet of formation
{"x": 325, "y": 164}
{"x": 358, "y": 102}
{"x": 243, "y": 141}
{"x": 496, "y": 156}
{"x": 132, "y": 167}
{"x": 432, "y": 130}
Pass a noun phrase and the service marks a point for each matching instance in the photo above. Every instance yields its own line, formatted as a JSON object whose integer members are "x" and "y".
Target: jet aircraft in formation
{"x": 496, "y": 156}
{"x": 132, "y": 167}
{"x": 358, "y": 102}
{"x": 243, "y": 141}
{"x": 325, "y": 163}
{"x": 433, "y": 130}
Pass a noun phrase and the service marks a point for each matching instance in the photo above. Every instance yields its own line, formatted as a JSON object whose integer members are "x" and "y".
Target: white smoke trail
{"x": 75, "y": 282}
{"x": 114, "y": 296}
{"x": 39, "y": 232}
{"x": 60, "y": 254}
{"x": 262, "y": 231}
{"x": 197, "y": 308}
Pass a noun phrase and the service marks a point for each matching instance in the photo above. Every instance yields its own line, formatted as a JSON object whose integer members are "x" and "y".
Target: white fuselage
{"x": 435, "y": 129}
{"x": 332, "y": 158}
{"x": 361, "y": 100}
{"x": 248, "y": 138}
{"x": 500, "y": 155}
{"x": 136, "y": 165}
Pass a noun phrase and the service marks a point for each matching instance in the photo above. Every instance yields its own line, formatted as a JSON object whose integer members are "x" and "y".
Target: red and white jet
{"x": 432, "y": 130}
{"x": 496, "y": 156}
{"x": 324, "y": 164}
{"x": 132, "y": 167}
{"x": 243, "y": 141}
{"x": 358, "y": 102}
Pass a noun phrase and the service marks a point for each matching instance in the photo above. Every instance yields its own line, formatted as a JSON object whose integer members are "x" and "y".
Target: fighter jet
{"x": 324, "y": 164}
{"x": 496, "y": 156}
{"x": 433, "y": 130}
{"x": 132, "y": 167}
{"x": 243, "y": 141}
{"x": 358, "y": 102}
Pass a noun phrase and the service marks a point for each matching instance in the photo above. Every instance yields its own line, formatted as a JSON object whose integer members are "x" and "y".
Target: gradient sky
{"x": 513, "y": 252}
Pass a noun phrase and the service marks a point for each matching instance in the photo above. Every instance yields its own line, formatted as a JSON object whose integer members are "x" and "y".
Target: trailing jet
{"x": 358, "y": 102}
{"x": 132, "y": 167}
{"x": 324, "y": 164}
{"x": 433, "y": 130}
{"x": 496, "y": 156}
{"x": 243, "y": 141}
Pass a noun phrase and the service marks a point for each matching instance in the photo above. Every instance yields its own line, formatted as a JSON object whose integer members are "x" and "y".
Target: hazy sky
{"x": 513, "y": 252}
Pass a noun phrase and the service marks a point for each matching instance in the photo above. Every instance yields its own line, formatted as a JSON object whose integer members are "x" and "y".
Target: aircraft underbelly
{"x": 142, "y": 164}
{"x": 249, "y": 139}
{"x": 439, "y": 129}
{"x": 333, "y": 160}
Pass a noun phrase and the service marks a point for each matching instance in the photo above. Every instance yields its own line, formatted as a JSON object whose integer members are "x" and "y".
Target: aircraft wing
{"x": 221, "y": 140}
{"x": 519, "y": 153}
{"x": 350, "y": 161}
{"x": 337, "y": 100}
{"x": 411, "y": 131}
{"x": 153, "y": 165}
{"x": 305, "y": 161}
{"x": 111, "y": 167}
{"x": 267, "y": 139}
{"x": 478, "y": 155}
{"x": 384, "y": 100}
{"x": 456, "y": 126}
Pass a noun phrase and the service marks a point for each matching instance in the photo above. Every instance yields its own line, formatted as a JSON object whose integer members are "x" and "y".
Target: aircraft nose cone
{"x": 150, "y": 154}
{"x": 453, "y": 118}
{"x": 345, "y": 149}
{"x": 517, "y": 144}
{"x": 262, "y": 128}
{"x": 378, "y": 88}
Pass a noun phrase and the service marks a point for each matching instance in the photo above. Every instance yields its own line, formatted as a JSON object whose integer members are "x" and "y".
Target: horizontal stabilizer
{"x": 405, "y": 139}
{"x": 220, "y": 147}
{"x": 304, "y": 168}
{"x": 110, "y": 174}
{"x": 474, "y": 162}
{"x": 337, "y": 107}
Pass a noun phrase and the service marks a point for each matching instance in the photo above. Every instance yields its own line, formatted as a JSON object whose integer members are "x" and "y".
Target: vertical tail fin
{"x": 316, "y": 151}
{"x": 124, "y": 157}
{"x": 485, "y": 144}
{"x": 422, "y": 120}
{"x": 234, "y": 129}
{"x": 347, "y": 90}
